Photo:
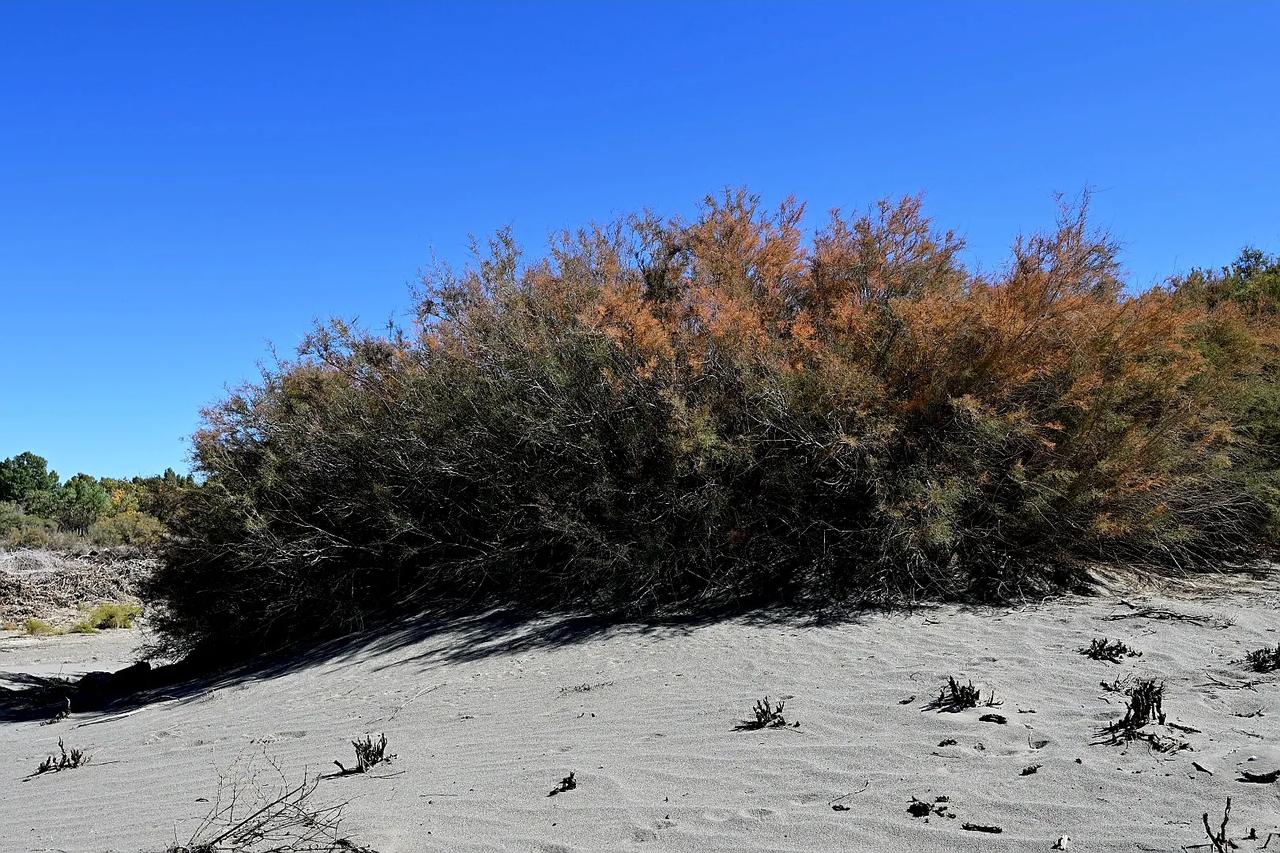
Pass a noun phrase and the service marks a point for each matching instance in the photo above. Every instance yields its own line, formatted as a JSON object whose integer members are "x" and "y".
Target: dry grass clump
{"x": 722, "y": 412}
{"x": 41, "y": 628}
{"x": 108, "y": 615}
{"x": 103, "y": 616}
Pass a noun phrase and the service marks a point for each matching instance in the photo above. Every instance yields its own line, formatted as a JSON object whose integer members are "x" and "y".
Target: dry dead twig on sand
{"x": 1218, "y": 841}
{"x": 288, "y": 822}
{"x": 1163, "y": 614}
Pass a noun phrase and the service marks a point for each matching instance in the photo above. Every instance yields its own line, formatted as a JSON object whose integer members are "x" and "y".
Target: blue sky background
{"x": 182, "y": 183}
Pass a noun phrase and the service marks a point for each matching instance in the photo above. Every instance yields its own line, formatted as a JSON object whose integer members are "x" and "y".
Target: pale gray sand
{"x": 68, "y": 655}
{"x": 485, "y": 724}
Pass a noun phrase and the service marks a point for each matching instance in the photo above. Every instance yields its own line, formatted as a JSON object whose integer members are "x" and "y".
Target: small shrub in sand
{"x": 369, "y": 753}
{"x": 109, "y": 615}
{"x": 954, "y": 697}
{"x": 766, "y": 716}
{"x": 568, "y": 783}
{"x": 1263, "y": 660}
{"x": 1145, "y": 705}
{"x": 1113, "y": 651}
{"x": 67, "y": 760}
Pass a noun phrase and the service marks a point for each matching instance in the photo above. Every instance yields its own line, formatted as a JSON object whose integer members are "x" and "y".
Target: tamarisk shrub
{"x": 712, "y": 413}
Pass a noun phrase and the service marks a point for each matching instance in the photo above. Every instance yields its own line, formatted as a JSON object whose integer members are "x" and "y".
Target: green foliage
{"x": 665, "y": 414}
{"x": 41, "y": 512}
{"x": 28, "y": 531}
{"x": 81, "y": 501}
{"x": 130, "y": 527}
{"x": 25, "y": 475}
{"x": 1251, "y": 281}
{"x": 110, "y": 615}
{"x": 1240, "y": 338}
{"x": 40, "y": 628}
{"x": 14, "y": 518}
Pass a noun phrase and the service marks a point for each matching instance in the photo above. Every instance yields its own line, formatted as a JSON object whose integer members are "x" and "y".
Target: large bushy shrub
{"x": 717, "y": 412}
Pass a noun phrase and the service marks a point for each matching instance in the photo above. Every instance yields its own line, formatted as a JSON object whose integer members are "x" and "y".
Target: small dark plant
{"x": 1145, "y": 705}
{"x": 955, "y": 697}
{"x": 1263, "y": 660}
{"x": 1113, "y": 651}
{"x": 369, "y": 753}
{"x": 767, "y": 716}
{"x": 940, "y": 807}
{"x": 566, "y": 784}
{"x": 68, "y": 760}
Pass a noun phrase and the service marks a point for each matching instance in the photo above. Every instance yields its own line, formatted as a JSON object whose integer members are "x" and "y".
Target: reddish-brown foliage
{"x": 664, "y": 412}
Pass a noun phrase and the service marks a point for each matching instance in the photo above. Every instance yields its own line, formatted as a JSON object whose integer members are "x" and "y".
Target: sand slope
{"x": 485, "y": 718}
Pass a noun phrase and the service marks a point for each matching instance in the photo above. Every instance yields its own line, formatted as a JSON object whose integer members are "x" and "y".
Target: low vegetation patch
{"x": 1113, "y": 651}
{"x": 67, "y": 759}
{"x": 41, "y": 628}
{"x": 765, "y": 715}
{"x": 955, "y": 697}
{"x": 102, "y": 617}
{"x": 1145, "y": 706}
{"x": 111, "y": 615}
{"x": 1264, "y": 659}
{"x": 369, "y": 754}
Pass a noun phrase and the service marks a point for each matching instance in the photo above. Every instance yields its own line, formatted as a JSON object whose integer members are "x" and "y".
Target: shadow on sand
{"x": 423, "y": 640}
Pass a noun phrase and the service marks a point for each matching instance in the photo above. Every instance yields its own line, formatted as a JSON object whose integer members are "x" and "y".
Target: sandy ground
{"x": 485, "y": 717}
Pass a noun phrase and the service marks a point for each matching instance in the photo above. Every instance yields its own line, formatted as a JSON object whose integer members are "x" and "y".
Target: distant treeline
{"x": 661, "y": 413}
{"x": 40, "y": 510}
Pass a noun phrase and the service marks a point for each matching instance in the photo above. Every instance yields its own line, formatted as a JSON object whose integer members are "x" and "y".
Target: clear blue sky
{"x": 182, "y": 183}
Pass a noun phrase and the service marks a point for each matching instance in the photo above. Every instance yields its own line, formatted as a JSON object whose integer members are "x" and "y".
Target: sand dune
{"x": 485, "y": 716}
